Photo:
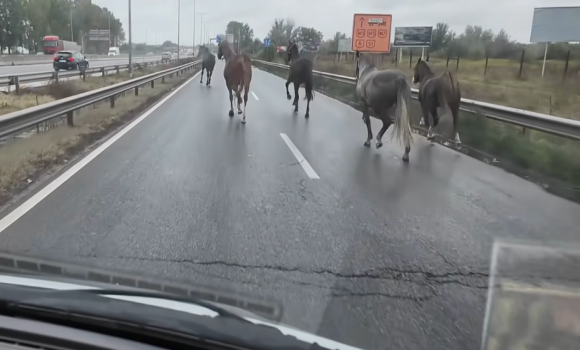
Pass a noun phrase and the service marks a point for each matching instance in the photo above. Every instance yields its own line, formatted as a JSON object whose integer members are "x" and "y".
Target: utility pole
{"x": 178, "y": 16}
{"x": 130, "y": 45}
{"x": 72, "y": 37}
{"x": 109, "y": 30}
{"x": 194, "y": 25}
{"x": 201, "y": 26}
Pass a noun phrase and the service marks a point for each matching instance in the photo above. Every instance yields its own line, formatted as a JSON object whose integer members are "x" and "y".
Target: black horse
{"x": 300, "y": 73}
{"x": 207, "y": 63}
{"x": 437, "y": 91}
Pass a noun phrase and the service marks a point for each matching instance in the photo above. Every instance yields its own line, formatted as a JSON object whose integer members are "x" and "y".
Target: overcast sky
{"x": 156, "y": 20}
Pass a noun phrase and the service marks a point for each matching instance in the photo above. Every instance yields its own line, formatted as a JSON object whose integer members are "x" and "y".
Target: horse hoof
{"x": 231, "y": 114}
{"x": 243, "y": 122}
{"x": 379, "y": 145}
{"x": 239, "y": 112}
{"x": 307, "y": 115}
{"x": 288, "y": 97}
{"x": 367, "y": 144}
{"x": 406, "y": 159}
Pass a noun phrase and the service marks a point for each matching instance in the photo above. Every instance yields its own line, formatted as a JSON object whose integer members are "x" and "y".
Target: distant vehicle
{"x": 51, "y": 44}
{"x": 114, "y": 51}
{"x": 174, "y": 54}
{"x": 166, "y": 56}
{"x": 69, "y": 60}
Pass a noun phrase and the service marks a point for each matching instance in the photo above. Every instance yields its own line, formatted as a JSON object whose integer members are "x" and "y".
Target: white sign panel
{"x": 556, "y": 25}
{"x": 344, "y": 45}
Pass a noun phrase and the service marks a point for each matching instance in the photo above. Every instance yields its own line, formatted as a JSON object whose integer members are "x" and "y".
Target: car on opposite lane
{"x": 69, "y": 60}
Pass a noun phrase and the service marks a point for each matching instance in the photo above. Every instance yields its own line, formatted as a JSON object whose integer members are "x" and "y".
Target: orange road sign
{"x": 371, "y": 33}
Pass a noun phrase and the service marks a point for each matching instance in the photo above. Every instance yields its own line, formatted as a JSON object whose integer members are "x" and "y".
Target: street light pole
{"x": 72, "y": 37}
{"x": 194, "y": 25}
{"x": 201, "y": 26}
{"x": 130, "y": 45}
{"x": 178, "y": 31}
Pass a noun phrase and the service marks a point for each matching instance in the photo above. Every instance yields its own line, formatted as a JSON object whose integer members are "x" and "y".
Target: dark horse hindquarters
{"x": 300, "y": 72}
{"x": 440, "y": 91}
{"x": 207, "y": 63}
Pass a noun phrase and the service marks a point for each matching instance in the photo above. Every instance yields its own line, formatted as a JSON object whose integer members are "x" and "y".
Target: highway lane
{"x": 94, "y": 63}
{"x": 375, "y": 253}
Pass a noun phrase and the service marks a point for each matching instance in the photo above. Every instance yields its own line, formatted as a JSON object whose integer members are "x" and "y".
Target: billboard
{"x": 98, "y": 35}
{"x": 344, "y": 45}
{"x": 555, "y": 25}
{"x": 413, "y": 36}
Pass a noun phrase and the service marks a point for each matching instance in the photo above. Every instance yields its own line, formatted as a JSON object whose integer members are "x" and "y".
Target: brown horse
{"x": 437, "y": 91}
{"x": 238, "y": 75}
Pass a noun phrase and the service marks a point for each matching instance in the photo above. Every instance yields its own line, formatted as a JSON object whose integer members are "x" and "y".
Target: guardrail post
{"x": 117, "y": 68}
{"x": 55, "y": 76}
{"x": 136, "y": 91}
{"x": 112, "y": 101}
{"x": 69, "y": 118}
{"x": 84, "y": 74}
{"x": 162, "y": 80}
{"x": 152, "y": 84}
{"x": 103, "y": 71}
{"x": 16, "y": 82}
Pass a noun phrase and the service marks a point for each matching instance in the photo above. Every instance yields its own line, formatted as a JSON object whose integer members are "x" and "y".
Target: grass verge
{"x": 501, "y": 83}
{"x": 29, "y": 155}
{"x": 550, "y": 161}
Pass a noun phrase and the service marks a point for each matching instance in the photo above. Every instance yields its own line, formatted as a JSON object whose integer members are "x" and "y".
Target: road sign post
{"x": 371, "y": 33}
{"x": 267, "y": 45}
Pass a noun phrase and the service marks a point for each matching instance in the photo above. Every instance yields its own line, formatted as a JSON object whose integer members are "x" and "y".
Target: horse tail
{"x": 402, "y": 128}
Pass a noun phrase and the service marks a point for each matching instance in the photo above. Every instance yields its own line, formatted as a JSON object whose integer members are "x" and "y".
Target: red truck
{"x": 52, "y": 44}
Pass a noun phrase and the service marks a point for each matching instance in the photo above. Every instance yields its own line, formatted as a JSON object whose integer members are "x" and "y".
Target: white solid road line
{"x": 255, "y": 96}
{"x": 299, "y": 157}
{"x": 40, "y": 195}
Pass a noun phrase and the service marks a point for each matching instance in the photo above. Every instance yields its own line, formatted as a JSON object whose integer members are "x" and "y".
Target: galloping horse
{"x": 238, "y": 75}
{"x": 437, "y": 91}
{"x": 379, "y": 91}
{"x": 300, "y": 72}
{"x": 207, "y": 63}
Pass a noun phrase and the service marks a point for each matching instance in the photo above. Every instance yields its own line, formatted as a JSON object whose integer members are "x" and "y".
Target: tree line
{"x": 23, "y": 23}
{"x": 474, "y": 42}
{"x": 281, "y": 32}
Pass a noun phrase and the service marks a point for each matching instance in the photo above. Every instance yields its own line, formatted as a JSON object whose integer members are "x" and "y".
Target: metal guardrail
{"x": 25, "y": 119}
{"x": 20, "y": 78}
{"x": 567, "y": 128}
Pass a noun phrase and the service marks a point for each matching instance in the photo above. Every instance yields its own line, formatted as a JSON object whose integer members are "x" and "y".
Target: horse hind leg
{"x": 455, "y": 113}
{"x": 245, "y": 103}
{"x": 208, "y": 79}
{"x": 202, "y": 69}
{"x": 239, "y": 97}
{"x": 367, "y": 121}
{"x": 288, "y": 96}
{"x": 386, "y": 123}
{"x": 231, "y": 113}
{"x": 295, "y": 103}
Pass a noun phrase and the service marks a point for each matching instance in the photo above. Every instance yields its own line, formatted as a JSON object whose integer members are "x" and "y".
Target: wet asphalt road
{"x": 376, "y": 253}
{"x": 94, "y": 63}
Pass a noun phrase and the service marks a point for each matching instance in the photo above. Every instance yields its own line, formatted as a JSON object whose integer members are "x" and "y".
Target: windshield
{"x": 49, "y": 43}
{"x": 343, "y": 168}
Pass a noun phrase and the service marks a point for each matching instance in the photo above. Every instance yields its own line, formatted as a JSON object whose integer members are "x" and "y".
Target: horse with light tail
{"x": 379, "y": 91}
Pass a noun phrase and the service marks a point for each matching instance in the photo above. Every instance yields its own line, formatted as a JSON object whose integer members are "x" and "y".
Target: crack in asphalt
{"x": 426, "y": 278}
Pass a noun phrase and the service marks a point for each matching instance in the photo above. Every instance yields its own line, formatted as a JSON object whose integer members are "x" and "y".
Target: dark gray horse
{"x": 207, "y": 63}
{"x": 379, "y": 91}
{"x": 300, "y": 72}
{"x": 437, "y": 91}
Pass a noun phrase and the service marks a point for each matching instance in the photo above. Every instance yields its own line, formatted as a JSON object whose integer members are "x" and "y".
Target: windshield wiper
{"x": 158, "y": 295}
